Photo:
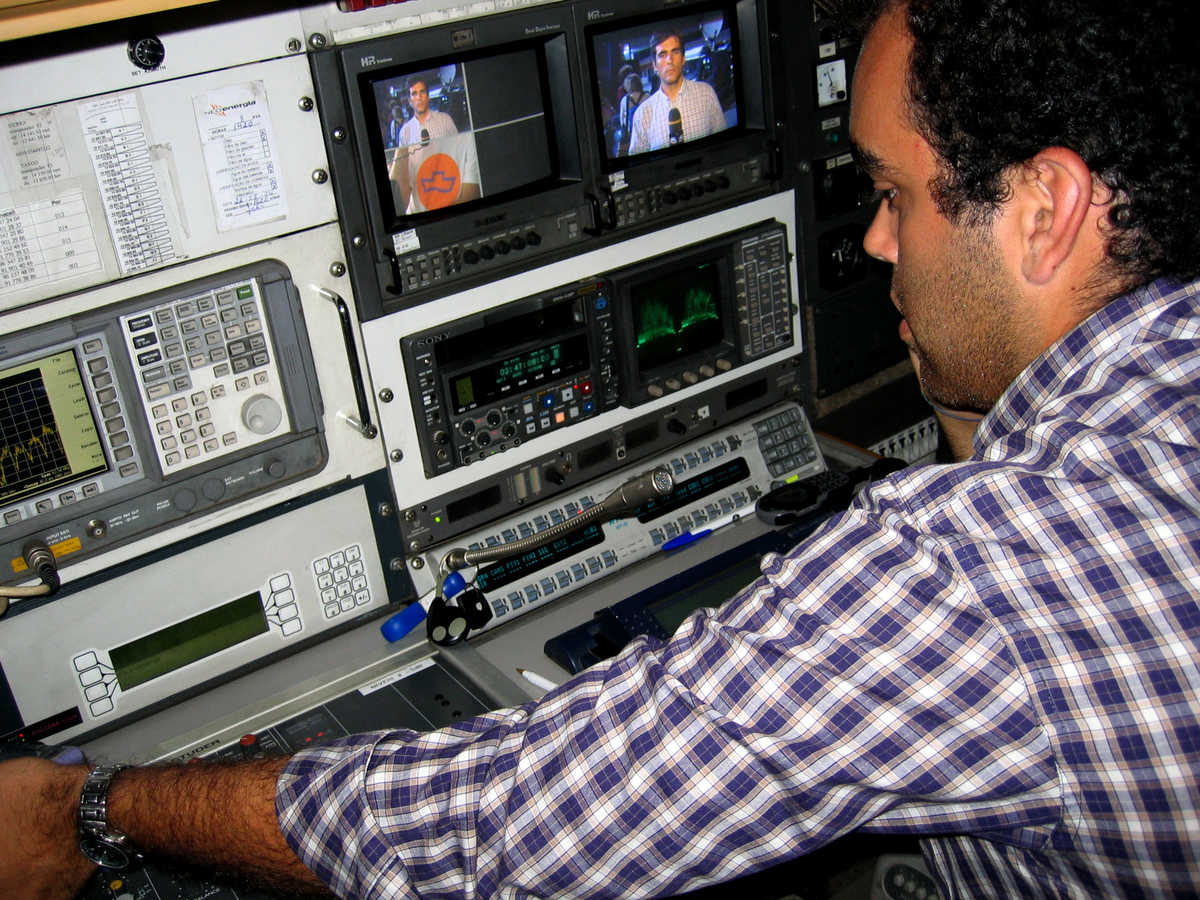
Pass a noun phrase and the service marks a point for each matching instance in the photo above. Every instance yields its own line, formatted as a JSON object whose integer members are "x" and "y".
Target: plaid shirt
{"x": 700, "y": 115}
{"x": 1005, "y": 651}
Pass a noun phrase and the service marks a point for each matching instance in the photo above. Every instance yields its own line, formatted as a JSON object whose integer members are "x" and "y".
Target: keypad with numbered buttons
{"x": 198, "y": 360}
{"x": 342, "y": 582}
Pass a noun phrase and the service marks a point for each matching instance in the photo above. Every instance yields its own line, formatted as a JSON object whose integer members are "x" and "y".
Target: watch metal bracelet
{"x": 103, "y": 845}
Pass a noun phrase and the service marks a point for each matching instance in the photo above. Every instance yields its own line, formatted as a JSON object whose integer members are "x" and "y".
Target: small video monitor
{"x": 459, "y": 129}
{"x": 662, "y": 82}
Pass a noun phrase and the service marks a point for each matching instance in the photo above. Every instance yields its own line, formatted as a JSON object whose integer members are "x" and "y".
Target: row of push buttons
{"x": 342, "y": 580}
{"x": 98, "y": 681}
{"x": 109, "y": 402}
{"x": 537, "y": 524}
{"x": 547, "y": 586}
{"x": 281, "y": 607}
{"x": 222, "y": 328}
{"x": 697, "y": 518}
{"x": 421, "y": 270}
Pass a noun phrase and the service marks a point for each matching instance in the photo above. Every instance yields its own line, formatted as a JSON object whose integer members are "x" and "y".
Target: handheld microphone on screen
{"x": 675, "y": 125}
{"x": 424, "y": 137}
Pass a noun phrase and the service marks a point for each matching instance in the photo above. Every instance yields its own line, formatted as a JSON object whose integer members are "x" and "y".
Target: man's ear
{"x": 1055, "y": 196}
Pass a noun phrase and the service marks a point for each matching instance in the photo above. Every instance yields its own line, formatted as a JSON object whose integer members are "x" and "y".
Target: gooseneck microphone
{"x": 457, "y": 608}
{"x": 624, "y": 501}
{"x": 675, "y": 125}
{"x": 632, "y": 494}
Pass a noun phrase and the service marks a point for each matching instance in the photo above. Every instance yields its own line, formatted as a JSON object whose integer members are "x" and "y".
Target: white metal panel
{"x": 73, "y": 64}
{"x": 47, "y": 157}
{"x": 335, "y": 25}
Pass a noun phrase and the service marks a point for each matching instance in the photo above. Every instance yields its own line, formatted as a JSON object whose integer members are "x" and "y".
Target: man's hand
{"x": 39, "y": 850}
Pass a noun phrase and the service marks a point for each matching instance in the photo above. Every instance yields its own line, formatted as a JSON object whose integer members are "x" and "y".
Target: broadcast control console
{"x": 721, "y": 474}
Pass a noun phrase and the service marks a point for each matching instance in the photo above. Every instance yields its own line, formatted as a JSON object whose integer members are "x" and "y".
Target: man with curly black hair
{"x": 1001, "y": 655}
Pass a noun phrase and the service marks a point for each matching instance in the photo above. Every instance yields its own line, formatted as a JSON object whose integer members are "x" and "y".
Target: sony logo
{"x": 489, "y": 220}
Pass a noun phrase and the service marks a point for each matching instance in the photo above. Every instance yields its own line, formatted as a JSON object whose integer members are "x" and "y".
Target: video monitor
{"x": 664, "y": 81}
{"x": 459, "y": 129}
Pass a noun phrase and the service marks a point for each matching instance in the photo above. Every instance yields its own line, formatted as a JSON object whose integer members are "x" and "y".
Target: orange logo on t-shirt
{"x": 438, "y": 181}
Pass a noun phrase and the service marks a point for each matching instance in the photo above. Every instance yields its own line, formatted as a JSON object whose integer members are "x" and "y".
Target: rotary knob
{"x": 146, "y": 53}
{"x": 261, "y": 414}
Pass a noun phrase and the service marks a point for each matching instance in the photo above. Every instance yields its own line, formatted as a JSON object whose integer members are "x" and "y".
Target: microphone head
{"x": 675, "y": 125}
{"x": 424, "y": 137}
{"x": 625, "y": 500}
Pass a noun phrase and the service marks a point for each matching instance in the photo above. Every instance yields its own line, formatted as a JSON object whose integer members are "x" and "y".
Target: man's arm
{"x": 401, "y": 179}
{"x": 214, "y": 815}
{"x": 716, "y": 115}
{"x": 639, "y": 140}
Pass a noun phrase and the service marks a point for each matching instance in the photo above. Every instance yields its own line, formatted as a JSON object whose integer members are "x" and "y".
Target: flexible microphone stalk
{"x": 675, "y": 125}
{"x": 622, "y": 502}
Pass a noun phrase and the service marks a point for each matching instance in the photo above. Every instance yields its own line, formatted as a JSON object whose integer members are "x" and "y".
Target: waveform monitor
{"x": 701, "y": 311}
{"x": 48, "y": 434}
{"x": 677, "y": 315}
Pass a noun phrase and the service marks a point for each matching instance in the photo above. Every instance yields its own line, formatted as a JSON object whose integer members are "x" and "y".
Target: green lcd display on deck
{"x": 183, "y": 643}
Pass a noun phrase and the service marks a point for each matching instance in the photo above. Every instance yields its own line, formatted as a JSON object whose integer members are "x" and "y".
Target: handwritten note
{"x": 239, "y": 152}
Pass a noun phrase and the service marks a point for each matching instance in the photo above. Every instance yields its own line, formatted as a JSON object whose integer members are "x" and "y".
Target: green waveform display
{"x": 677, "y": 316}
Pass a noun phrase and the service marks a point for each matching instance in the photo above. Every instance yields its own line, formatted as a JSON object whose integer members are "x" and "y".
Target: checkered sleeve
{"x": 853, "y": 683}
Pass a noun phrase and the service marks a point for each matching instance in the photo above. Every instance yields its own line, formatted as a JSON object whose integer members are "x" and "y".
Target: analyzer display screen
{"x": 677, "y": 315}
{"x": 48, "y": 434}
{"x": 185, "y": 642}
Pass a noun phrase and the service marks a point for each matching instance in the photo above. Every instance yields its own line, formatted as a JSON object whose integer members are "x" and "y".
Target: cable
{"x": 41, "y": 561}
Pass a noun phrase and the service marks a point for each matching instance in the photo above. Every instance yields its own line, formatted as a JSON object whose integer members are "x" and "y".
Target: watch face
{"x": 105, "y": 852}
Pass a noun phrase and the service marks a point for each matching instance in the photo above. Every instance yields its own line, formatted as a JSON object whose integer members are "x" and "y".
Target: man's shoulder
{"x": 700, "y": 87}
{"x": 655, "y": 100}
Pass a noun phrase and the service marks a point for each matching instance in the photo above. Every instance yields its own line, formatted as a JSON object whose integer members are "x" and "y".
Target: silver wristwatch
{"x": 105, "y": 846}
